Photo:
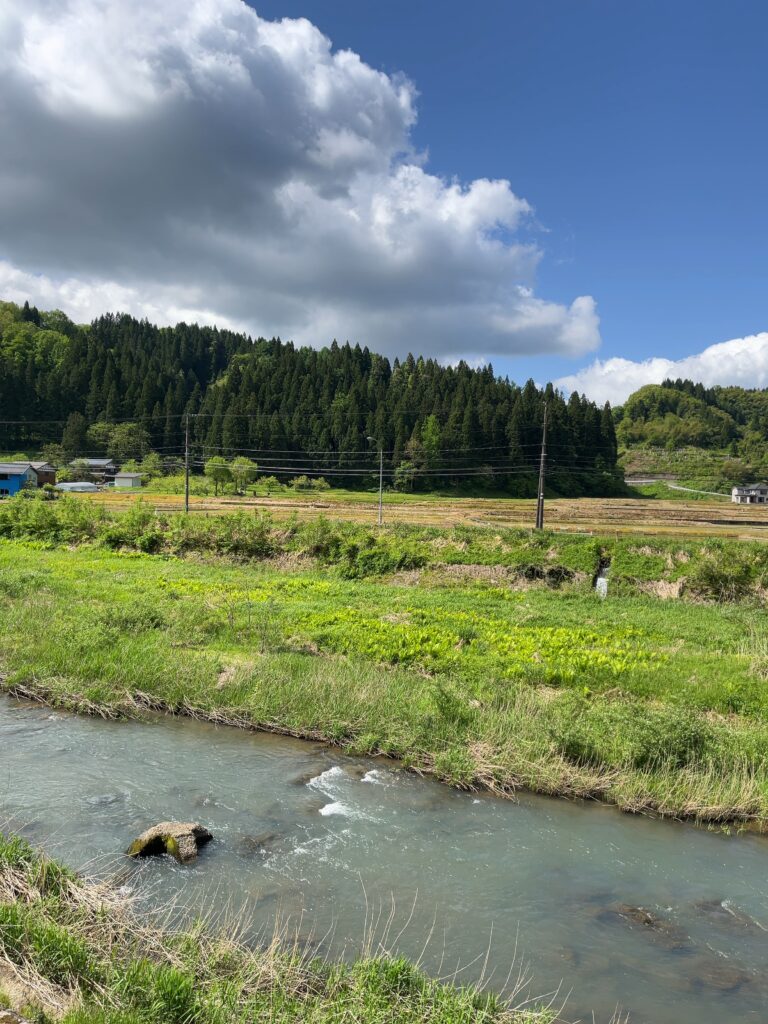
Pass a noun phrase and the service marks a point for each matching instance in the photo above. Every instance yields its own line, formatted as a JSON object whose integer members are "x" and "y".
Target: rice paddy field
{"x": 674, "y": 517}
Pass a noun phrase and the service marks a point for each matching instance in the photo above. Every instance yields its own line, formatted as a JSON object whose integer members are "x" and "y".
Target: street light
{"x": 381, "y": 476}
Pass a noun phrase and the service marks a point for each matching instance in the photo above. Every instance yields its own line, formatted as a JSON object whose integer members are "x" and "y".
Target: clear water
{"x": 328, "y": 845}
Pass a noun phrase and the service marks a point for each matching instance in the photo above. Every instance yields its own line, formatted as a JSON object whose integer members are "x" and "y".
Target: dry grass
{"x": 590, "y": 515}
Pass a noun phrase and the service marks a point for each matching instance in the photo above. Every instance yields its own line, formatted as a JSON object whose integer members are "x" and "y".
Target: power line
{"x": 336, "y": 471}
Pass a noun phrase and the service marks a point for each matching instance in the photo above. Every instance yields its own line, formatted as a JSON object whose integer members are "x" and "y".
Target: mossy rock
{"x": 181, "y": 840}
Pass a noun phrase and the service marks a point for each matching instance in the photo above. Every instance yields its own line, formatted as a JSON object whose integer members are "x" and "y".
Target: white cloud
{"x": 741, "y": 361}
{"x": 191, "y": 157}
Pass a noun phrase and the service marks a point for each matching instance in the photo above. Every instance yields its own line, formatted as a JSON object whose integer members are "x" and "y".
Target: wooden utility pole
{"x": 380, "y": 445}
{"x": 186, "y": 463}
{"x": 542, "y": 472}
{"x": 381, "y": 484}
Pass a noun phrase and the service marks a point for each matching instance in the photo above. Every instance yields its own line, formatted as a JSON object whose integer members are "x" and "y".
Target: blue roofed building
{"x": 14, "y": 476}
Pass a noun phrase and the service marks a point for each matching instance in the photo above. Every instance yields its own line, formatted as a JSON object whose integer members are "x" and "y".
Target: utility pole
{"x": 542, "y": 470}
{"x": 381, "y": 478}
{"x": 381, "y": 484}
{"x": 186, "y": 464}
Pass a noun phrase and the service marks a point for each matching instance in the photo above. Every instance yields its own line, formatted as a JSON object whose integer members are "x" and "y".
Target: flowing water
{"x": 327, "y": 845}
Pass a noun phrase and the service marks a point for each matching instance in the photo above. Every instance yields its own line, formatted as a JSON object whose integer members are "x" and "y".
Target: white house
{"x": 750, "y": 494}
{"x": 124, "y": 480}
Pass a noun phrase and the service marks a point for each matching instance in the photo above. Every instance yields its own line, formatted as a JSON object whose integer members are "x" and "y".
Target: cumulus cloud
{"x": 740, "y": 361}
{"x": 190, "y": 156}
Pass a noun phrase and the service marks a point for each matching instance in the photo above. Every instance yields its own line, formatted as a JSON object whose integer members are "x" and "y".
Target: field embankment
{"x": 483, "y": 658}
{"x": 77, "y": 953}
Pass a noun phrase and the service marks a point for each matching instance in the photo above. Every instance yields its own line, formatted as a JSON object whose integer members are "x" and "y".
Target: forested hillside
{"x": 716, "y": 436}
{"x": 289, "y": 409}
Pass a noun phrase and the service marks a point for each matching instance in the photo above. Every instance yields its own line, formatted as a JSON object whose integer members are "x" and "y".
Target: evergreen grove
{"x": 291, "y": 410}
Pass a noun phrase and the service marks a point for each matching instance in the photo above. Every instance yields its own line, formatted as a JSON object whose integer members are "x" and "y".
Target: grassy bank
{"x": 78, "y": 953}
{"x": 700, "y": 568}
{"x": 482, "y": 671}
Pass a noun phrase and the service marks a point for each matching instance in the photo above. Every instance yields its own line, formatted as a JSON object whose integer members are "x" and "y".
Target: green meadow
{"x": 483, "y": 658}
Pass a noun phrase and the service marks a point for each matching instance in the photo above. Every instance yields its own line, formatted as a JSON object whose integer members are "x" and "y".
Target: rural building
{"x": 46, "y": 473}
{"x": 101, "y": 469}
{"x": 750, "y": 494}
{"x": 128, "y": 479}
{"x": 14, "y": 476}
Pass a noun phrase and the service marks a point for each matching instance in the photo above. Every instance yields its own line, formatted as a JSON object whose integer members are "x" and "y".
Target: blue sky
{"x": 638, "y": 131}
{"x": 573, "y": 189}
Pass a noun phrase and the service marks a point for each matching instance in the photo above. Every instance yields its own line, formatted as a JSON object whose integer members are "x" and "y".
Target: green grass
{"x": 662, "y": 491}
{"x": 82, "y": 948}
{"x": 652, "y": 705}
{"x": 706, "y": 566}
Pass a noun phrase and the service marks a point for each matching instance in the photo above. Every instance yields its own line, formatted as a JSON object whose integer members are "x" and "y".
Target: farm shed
{"x": 14, "y": 476}
{"x": 46, "y": 473}
{"x": 128, "y": 480}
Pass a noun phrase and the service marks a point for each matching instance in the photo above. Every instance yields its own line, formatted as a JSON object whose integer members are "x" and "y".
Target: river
{"x": 332, "y": 847}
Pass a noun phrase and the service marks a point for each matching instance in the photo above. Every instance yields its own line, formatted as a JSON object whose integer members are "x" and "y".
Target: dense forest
{"x": 291, "y": 410}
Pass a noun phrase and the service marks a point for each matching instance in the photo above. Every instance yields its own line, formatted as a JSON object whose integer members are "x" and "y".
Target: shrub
{"x": 139, "y": 527}
{"x": 321, "y": 539}
{"x": 723, "y": 576}
{"x": 370, "y": 555}
{"x": 301, "y": 483}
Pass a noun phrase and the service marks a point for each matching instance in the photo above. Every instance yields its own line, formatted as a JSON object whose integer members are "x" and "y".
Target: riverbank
{"x": 80, "y": 954}
{"x": 466, "y": 673}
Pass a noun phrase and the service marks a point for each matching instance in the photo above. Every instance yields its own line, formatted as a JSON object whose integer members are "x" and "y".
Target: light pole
{"x": 381, "y": 477}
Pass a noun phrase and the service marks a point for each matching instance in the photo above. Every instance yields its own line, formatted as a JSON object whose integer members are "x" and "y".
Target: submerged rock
{"x": 106, "y": 799}
{"x": 256, "y": 845}
{"x": 181, "y": 839}
{"x": 721, "y": 912}
{"x": 718, "y": 976}
{"x": 305, "y": 777}
{"x": 659, "y": 929}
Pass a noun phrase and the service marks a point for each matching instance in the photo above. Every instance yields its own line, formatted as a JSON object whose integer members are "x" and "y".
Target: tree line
{"x": 124, "y": 387}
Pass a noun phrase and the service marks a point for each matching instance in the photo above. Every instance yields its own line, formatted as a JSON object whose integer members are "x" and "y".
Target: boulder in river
{"x": 181, "y": 839}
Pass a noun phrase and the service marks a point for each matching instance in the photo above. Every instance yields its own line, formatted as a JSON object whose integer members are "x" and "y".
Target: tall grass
{"x": 84, "y": 957}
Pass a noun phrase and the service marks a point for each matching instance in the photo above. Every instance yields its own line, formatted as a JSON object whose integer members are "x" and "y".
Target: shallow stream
{"x": 665, "y": 920}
